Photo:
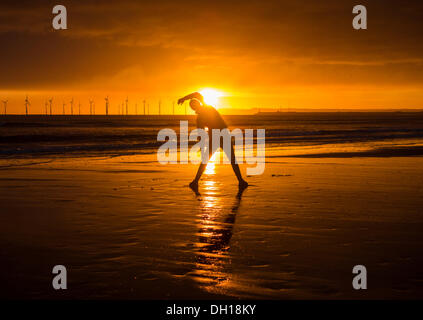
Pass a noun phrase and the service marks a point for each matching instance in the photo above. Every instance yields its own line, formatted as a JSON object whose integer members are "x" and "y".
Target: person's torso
{"x": 209, "y": 117}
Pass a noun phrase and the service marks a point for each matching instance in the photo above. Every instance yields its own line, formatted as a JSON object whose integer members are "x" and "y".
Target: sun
{"x": 211, "y": 96}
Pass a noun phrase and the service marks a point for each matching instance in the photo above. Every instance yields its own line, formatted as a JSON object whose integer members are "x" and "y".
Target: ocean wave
{"x": 37, "y": 136}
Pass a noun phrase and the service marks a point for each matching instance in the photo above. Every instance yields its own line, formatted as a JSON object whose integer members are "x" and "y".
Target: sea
{"x": 290, "y": 134}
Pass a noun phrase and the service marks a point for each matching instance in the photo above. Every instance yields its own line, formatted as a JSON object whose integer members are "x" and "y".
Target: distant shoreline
{"x": 336, "y": 110}
{"x": 225, "y": 112}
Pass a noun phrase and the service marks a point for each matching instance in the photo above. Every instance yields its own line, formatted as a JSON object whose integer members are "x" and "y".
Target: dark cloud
{"x": 243, "y": 42}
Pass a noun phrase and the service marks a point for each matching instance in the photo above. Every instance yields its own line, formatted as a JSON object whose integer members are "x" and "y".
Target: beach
{"x": 126, "y": 227}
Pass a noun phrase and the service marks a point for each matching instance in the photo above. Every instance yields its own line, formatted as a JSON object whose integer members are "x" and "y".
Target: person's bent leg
{"x": 235, "y": 167}
{"x": 200, "y": 171}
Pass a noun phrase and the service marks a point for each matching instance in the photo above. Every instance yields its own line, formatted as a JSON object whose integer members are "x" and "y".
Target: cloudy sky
{"x": 298, "y": 54}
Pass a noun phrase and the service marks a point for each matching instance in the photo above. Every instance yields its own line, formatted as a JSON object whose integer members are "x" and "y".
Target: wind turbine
{"x": 79, "y": 107}
{"x": 107, "y": 105}
{"x": 126, "y": 102}
{"x": 27, "y": 103}
{"x": 144, "y": 106}
{"x": 91, "y": 107}
{"x": 63, "y": 107}
{"x": 5, "y": 106}
{"x": 136, "y": 109}
{"x": 160, "y": 105}
{"x": 71, "y": 103}
{"x": 50, "y": 102}
{"x": 46, "y": 105}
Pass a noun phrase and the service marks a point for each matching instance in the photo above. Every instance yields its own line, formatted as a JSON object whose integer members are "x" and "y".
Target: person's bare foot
{"x": 193, "y": 184}
{"x": 194, "y": 187}
{"x": 243, "y": 184}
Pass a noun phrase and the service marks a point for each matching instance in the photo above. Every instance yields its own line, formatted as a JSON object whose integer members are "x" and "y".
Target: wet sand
{"x": 129, "y": 228}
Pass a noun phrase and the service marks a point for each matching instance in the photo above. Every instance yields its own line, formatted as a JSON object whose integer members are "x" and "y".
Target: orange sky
{"x": 273, "y": 54}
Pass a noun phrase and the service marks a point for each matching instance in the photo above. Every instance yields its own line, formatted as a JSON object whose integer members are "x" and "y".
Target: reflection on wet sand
{"x": 217, "y": 219}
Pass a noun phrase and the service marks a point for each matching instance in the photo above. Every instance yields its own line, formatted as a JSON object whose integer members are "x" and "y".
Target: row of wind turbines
{"x": 123, "y": 108}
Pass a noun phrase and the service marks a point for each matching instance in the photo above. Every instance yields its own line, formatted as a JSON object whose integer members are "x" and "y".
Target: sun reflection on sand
{"x": 211, "y": 165}
{"x": 217, "y": 219}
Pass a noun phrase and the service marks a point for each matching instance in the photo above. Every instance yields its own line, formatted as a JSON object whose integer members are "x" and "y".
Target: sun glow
{"x": 211, "y": 165}
{"x": 211, "y": 96}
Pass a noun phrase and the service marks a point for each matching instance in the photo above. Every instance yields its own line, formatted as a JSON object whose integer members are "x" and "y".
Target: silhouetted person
{"x": 209, "y": 117}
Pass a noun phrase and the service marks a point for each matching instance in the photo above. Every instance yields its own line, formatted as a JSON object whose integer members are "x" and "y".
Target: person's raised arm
{"x": 195, "y": 95}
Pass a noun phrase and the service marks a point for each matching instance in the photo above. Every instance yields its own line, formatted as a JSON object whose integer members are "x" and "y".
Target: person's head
{"x": 195, "y": 105}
